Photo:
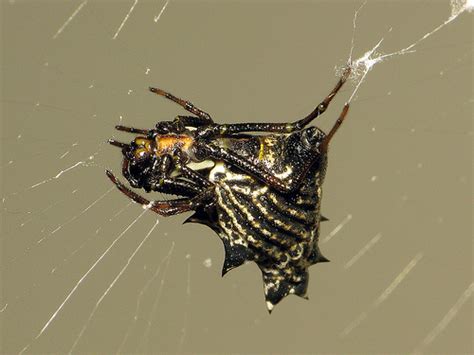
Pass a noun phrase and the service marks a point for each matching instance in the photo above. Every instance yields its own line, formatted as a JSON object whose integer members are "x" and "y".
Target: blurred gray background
{"x": 398, "y": 191}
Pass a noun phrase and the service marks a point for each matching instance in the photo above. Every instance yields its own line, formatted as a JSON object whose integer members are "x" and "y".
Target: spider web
{"x": 82, "y": 264}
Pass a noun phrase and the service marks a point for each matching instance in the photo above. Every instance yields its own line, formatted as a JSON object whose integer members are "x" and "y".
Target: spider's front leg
{"x": 197, "y": 190}
{"x": 179, "y": 124}
{"x": 161, "y": 180}
{"x": 204, "y": 117}
{"x": 163, "y": 208}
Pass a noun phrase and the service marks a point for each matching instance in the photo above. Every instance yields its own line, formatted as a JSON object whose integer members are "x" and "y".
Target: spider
{"x": 257, "y": 185}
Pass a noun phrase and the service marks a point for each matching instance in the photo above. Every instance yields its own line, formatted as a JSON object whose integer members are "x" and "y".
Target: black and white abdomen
{"x": 277, "y": 231}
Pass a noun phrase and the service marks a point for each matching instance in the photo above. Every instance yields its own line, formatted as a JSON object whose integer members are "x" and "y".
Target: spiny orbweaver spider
{"x": 261, "y": 193}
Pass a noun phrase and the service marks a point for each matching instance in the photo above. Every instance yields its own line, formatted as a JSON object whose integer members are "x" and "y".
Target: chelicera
{"x": 257, "y": 185}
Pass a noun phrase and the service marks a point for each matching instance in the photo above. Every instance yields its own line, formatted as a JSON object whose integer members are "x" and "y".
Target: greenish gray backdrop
{"x": 398, "y": 190}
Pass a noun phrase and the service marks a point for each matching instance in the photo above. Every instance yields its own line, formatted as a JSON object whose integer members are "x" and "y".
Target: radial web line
{"x": 337, "y": 229}
{"x": 83, "y": 211}
{"x": 154, "y": 308}
{"x": 364, "y": 64}
{"x": 448, "y": 317}
{"x": 73, "y": 290}
{"x": 383, "y": 296}
{"x": 140, "y": 296}
{"x": 157, "y": 18}
{"x": 186, "y": 308}
{"x": 362, "y": 251}
{"x": 117, "y": 277}
{"x": 125, "y": 20}
{"x": 61, "y": 29}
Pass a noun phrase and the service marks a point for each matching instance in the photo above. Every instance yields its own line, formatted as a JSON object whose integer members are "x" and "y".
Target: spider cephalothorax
{"x": 260, "y": 193}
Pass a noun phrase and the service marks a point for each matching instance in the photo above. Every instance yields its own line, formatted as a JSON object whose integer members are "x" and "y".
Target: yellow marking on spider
{"x": 262, "y": 150}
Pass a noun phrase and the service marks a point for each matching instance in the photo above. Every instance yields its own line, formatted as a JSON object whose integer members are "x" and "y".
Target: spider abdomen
{"x": 277, "y": 231}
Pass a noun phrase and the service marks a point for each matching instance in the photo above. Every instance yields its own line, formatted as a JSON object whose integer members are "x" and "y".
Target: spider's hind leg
{"x": 229, "y": 129}
{"x": 266, "y": 176}
{"x": 325, "y": 103}
{"x": 335, "y": 127}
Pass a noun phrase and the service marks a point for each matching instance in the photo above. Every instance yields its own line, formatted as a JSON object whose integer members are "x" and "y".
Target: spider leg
{"x": 227, "y": 129}
{"x": 163, "y": 182}
{"x": 191, "y": 121}
{"x": 264, "y": 175}
{"x": 194, "y": 176}
{"x": 176, "y": 186}
{"x": 179, "y": 124}
{"x": 163, "y": 208}
{"x": 334, "y": 128}
{"x": 176, "y": 126}
{"x": 325, "y": 103}
{"x": 118, "y": 144}
{"x": 247, "y": 166}
{"x": 188, "y": 106}
{"x": 132, "y": 130}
